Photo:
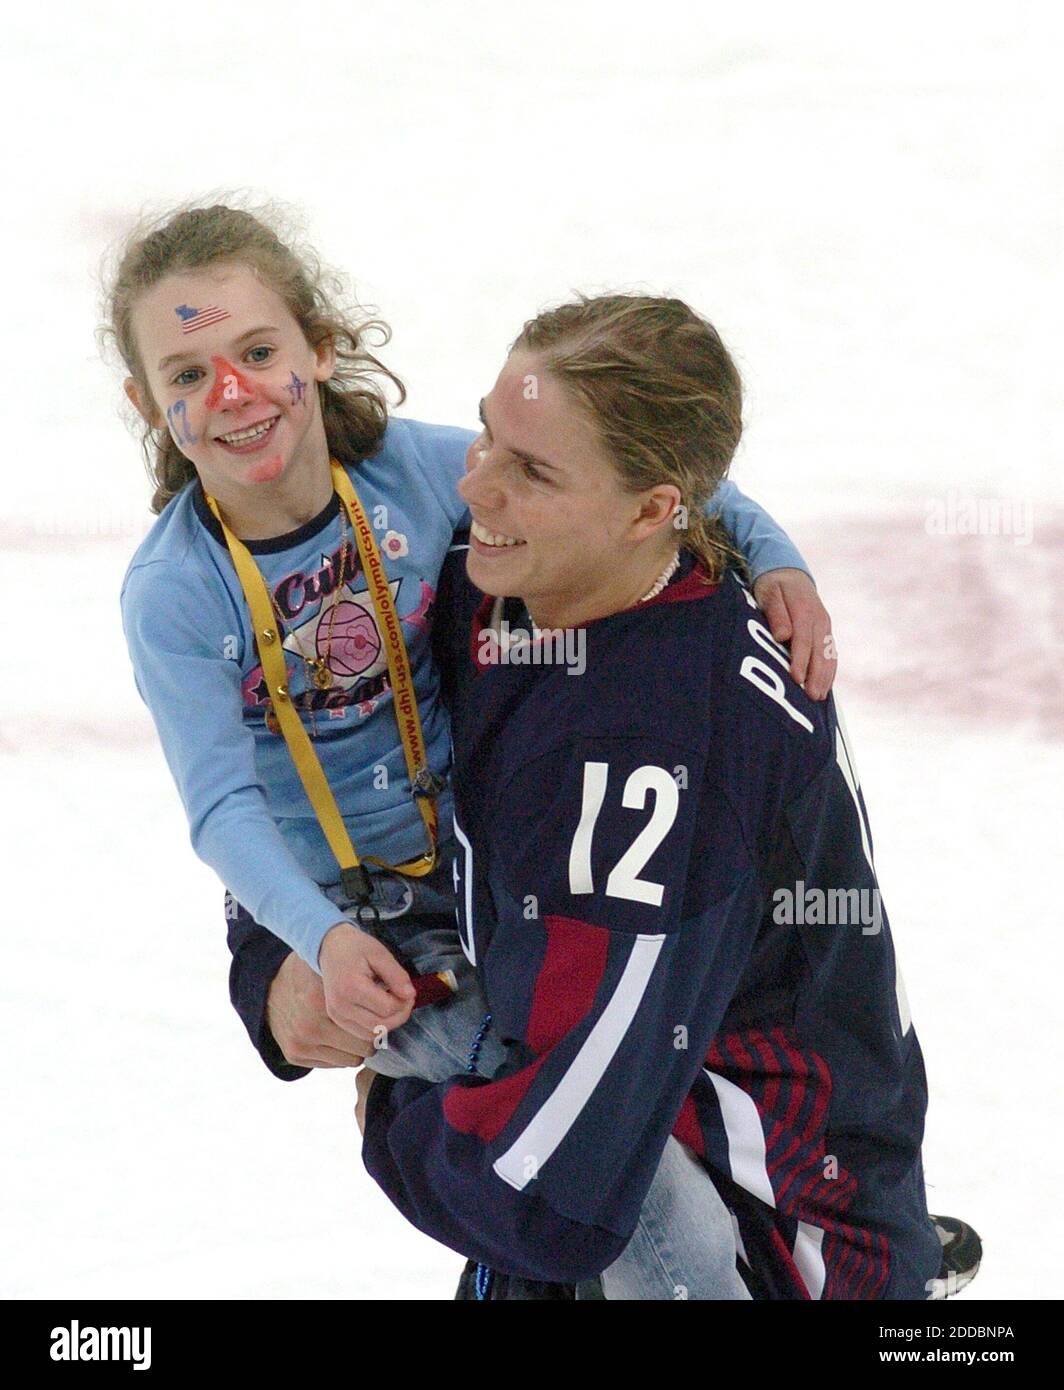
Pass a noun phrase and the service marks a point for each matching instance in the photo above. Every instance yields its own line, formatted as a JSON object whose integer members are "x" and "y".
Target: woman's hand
{"x": 363, "y": 1081}
{"x": 296, "y": 1016}
{"x": 792, "y": 607}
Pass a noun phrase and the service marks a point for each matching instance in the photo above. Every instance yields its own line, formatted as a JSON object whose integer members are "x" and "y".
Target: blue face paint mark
{"x": 177, "y": 415}
{"x": 297, "y": 388}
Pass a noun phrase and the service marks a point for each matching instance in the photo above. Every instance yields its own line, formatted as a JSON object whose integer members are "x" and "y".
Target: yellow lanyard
{"x": 307, "y": 764}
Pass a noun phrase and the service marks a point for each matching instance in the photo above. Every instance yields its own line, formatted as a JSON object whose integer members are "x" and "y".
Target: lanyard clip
{"x": 428, "y": 783}
{"x": 356, "y": 885}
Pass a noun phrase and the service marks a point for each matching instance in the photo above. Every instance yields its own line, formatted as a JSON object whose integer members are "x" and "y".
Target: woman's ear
{"x": 658, "y": 509}
{"x": 146, "y": 410}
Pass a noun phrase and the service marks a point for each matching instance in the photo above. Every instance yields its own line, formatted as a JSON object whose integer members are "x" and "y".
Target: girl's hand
{"x": 791, "y": 604}
{"x": 367, "y": 991}
{"x": 363, "y": 1081}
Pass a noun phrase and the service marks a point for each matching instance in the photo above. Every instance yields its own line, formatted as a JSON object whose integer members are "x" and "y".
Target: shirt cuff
{"x": 255, "y": 965}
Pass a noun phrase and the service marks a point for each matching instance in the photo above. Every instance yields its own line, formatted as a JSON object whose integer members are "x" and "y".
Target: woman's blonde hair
{"x": 663, "y": 392}
{"x": 353, "y": 404}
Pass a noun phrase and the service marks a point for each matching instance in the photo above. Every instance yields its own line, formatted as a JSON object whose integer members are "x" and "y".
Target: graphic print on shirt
{"x": 342, "y": 632}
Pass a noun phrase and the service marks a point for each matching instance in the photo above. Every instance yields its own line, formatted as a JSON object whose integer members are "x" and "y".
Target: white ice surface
{"x": 868, "y": 208}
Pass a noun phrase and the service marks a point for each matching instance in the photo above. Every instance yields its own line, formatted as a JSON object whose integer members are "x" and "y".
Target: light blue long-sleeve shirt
{"x": 196, "y": 667}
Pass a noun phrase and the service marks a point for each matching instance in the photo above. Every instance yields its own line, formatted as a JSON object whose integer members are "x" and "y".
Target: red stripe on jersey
{"x": 780, "y": 1075}
{"x": 564, "y": 991}
{"x": 771, "y": 1070}
{"x": 688, "y": 1128}
{"x": 568, "y": 979}
{"x": 786, "y": 1259}
{"x": 486, "y": 1110}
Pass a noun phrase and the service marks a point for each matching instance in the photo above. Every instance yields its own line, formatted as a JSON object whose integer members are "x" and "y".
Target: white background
{"x": 867, "y": 203}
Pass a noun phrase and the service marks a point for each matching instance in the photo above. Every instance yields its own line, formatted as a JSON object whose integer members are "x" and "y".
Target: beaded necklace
{"x": 483, "y": 1276}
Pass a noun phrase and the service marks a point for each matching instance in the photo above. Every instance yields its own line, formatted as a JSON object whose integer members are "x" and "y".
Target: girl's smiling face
{"x": 232, "y": 374}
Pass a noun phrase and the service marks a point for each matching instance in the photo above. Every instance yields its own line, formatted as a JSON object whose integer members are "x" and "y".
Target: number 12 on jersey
{"x": 623, "y": 880}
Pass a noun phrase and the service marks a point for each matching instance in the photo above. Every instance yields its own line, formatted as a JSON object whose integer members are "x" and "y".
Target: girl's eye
{"x": 180, "y": 379}
{"x": 262, "y": 348}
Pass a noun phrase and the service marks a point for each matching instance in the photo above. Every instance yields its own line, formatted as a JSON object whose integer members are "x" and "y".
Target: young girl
{"x": 278, "y": 617}
{"x": 633, "y": 843}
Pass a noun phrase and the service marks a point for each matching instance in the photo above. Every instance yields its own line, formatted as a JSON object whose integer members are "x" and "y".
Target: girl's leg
{"x": 436, "y": 1040}
{"x": 684, "y": 1244}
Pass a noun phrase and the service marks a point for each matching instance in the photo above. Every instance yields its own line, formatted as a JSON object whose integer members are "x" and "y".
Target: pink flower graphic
{"x": 394, "y": 545}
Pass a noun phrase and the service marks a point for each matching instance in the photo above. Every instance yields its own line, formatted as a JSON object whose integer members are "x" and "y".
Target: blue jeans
{"x": 684, "y": 1244}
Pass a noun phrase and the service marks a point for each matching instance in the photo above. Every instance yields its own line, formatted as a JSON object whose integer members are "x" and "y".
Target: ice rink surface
{"x": 869, "y": 209}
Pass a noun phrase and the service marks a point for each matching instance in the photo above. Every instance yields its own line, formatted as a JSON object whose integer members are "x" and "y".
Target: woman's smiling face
{"x": 551, "y": 521}
{"x": 230, "y": 370}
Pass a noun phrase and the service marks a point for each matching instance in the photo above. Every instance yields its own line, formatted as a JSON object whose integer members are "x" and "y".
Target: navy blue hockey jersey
{"x": 666, "y": 883}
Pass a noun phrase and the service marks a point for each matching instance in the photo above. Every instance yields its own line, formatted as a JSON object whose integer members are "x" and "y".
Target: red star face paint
{"x": 230, "y": 386}
{"x": 233, "y": 389}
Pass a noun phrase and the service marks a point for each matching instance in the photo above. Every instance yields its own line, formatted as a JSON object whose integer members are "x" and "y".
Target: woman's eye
{"x": 266, "y": 350}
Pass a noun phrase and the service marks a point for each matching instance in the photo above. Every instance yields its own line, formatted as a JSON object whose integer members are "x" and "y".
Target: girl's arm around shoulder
{"x": 783, "y": 585}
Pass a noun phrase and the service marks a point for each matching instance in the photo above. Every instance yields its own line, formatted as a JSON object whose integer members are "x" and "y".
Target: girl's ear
{"x": 145, "y": 410}
{"x": 325, "y": 354}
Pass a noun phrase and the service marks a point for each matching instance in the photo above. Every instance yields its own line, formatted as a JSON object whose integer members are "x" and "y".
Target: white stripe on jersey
{"x": 848, "y": 767}
{"x": 849, "y": 774}
{"x": 469, "y": 940}
{"x": 809, "y": 1259}
{"x": 740, "y": 1248}
{"x": 559, "y": 1112}
{"x": 749, "y": 1168}
{"x": 746, "y": 1138}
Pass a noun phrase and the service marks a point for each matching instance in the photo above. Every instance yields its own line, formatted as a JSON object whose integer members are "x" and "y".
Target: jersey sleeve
{"x": 623, "y": 914}
{"x": 176, "y": 637}
{"x": 257, "y": 957}
{"x": 761, "y": 540}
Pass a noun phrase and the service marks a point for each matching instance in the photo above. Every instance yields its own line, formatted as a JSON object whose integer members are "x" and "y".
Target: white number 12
{"x": 624, "y": 880}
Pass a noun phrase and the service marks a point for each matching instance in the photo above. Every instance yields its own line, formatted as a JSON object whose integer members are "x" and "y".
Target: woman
{"x": 634, "y": 845}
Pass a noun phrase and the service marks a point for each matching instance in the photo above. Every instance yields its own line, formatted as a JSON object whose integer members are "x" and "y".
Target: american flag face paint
{"x": 191, "y": 318}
